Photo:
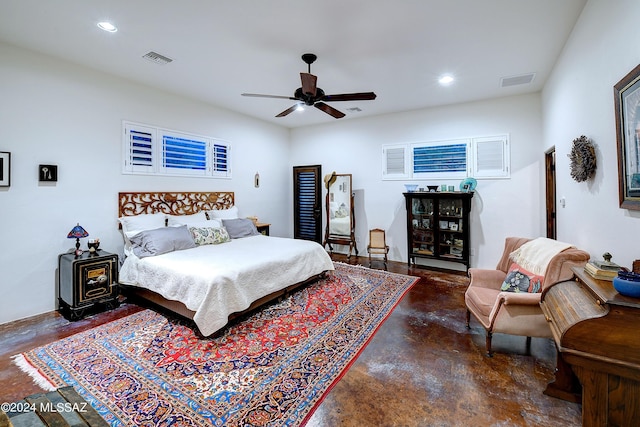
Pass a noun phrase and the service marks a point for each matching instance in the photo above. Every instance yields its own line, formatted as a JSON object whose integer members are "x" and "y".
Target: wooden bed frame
{"x": 185, "y": 203}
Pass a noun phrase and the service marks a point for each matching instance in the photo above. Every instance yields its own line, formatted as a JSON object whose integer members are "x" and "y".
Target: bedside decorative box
{"x": 87, "y": 282}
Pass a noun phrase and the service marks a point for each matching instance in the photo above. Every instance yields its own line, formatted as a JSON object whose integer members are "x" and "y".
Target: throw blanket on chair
{"x": 536, "y": 254}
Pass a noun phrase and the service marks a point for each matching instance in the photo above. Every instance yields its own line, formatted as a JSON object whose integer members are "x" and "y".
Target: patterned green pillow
{"x": 209, "y": 235}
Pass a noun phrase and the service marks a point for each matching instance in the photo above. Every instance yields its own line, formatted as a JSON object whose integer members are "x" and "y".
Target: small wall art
{"x": 48, "y": 173}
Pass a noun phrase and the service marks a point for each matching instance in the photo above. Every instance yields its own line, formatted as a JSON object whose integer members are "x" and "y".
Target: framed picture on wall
{"x": 5, "y": 169}
{"x": 627, "y": 110}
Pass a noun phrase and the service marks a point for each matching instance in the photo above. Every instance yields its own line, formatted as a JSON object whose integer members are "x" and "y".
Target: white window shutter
{"x": 183, "y": 154}
{"x": 395, "y": 162}
{"x": 491, "y": 157}
{"x": 221, "y": 156}
{"x": 155, "y": 151}
{"x": 139, "y": 144}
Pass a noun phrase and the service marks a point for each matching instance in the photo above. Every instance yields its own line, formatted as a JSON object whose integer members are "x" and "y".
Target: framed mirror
{"x": 340, "y": 217}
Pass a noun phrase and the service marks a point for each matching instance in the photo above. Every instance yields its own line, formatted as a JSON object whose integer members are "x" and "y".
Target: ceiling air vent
{"x": 157, "y": 58}
{"x": 523, "y": 79}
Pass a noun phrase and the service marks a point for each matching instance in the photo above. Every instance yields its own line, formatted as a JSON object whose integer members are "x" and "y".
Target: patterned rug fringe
{"x": 29, "y": 369}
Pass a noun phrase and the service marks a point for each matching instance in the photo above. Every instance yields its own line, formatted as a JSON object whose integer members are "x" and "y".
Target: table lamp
{"x": 76, "y": 233}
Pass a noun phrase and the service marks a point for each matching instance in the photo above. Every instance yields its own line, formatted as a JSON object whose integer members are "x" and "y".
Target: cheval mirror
{"x": 341, "y": 222}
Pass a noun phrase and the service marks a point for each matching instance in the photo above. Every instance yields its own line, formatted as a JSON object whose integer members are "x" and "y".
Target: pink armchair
{"x": 510, "y": 312}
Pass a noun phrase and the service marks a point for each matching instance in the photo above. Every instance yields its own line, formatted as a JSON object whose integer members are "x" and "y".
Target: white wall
{"x": 578, "y": 100}
{"x": 500, "y": 208}
{"x": 53, "y": 112}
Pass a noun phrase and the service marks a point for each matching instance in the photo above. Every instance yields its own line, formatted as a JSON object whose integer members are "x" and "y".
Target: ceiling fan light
{"x": 107, "y": 26}
{"x": 310, "y": 94}
{"x": 446, "y": 79}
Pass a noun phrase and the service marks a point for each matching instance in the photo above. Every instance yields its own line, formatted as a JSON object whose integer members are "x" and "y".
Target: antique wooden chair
{"x": 377, "y": 245}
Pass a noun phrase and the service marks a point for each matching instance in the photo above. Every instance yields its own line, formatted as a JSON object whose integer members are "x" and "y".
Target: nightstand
{"x": 87, "y": 283}
{"x": 263, "y": 228}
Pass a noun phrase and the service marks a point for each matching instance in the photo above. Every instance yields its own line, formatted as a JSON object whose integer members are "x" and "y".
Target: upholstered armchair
{"x": 516, "y": 313}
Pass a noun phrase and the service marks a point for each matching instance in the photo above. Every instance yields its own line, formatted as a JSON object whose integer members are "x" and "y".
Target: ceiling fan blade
{"x": 360, "y": 96}
{"x": 308, "y": 83}
{"x": 288, "y": 110}
{"x": 329, "y": 110}
{"x": 258, "y": 95}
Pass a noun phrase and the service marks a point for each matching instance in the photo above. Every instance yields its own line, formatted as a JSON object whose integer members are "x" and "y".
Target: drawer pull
{"x": 95, "y": 292}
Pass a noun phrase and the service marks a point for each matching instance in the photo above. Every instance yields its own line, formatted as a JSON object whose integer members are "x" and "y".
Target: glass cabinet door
{"x": 422, "y": 225}
{"x": 438, "y": 226}
{"x": 451, "y": 240}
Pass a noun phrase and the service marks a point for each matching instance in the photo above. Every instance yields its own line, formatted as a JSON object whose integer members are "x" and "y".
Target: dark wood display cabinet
{"x": 87, "y": 283}
{"x": 438, "y": 226}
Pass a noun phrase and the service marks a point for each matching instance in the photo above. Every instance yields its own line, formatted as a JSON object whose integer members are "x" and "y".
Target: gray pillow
{"x": 240, "y": 227}
{"x": 161, "y": 240}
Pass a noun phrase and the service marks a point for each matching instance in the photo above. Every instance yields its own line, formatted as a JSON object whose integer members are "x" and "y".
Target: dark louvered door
{"x": 307, "y": 207}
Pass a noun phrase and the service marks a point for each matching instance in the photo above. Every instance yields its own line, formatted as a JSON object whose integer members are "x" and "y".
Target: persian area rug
{"x": 272, "y": 368}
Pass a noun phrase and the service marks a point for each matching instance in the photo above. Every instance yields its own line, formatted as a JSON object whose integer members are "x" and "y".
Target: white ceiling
{"x": 222, "y": 48}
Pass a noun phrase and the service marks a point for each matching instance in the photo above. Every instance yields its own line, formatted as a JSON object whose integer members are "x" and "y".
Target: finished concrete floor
{"x": 423, "y": 367}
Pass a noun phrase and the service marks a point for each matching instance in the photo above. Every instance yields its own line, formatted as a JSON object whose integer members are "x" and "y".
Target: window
{"x": 221, "y": 159}
{"x": 183, "y": 155}
{"x": 491, "y": 157}
{"x": 485, "y": 157}
{"x": 440, "y": 159}
{"x": 149, "y": 150}
{"x": 395, "y": 161}
{"x": 140, "y": 149}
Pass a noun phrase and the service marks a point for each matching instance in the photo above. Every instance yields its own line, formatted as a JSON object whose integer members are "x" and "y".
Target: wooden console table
{"x": 597, "y": 335}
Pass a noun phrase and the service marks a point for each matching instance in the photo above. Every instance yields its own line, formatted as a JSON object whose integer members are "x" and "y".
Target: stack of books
{"x": 602, "y": 270}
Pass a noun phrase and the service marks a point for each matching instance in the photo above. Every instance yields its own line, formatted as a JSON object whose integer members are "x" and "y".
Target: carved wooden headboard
{"x": 178, "y": 203}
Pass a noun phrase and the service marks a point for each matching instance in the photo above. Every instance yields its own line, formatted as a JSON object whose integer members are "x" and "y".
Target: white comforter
{"x": 217, "y": 280}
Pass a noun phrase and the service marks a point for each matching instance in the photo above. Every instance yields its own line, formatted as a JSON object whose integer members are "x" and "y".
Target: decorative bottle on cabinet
{"x": 438, "y": 226}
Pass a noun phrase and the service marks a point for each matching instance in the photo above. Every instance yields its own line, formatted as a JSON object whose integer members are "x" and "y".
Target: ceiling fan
{"x": 310, "y": 94}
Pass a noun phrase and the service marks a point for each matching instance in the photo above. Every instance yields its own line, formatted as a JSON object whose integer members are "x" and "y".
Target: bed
{"x": 213, "y": 279}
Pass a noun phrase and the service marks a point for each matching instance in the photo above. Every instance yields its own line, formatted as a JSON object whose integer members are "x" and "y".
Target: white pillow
{"x": 176, "y": 220}
{"x": 230, "y": 213}
{"x": 132, "y": 225}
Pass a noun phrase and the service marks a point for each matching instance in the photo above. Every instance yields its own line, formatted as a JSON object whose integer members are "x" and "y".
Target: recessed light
{"x": 446, "y": 80}
{"x": 107, "y": 26}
